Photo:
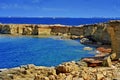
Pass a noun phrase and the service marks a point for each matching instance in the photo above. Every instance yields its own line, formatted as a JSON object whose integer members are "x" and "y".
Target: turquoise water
{"x": 22, "y": 50}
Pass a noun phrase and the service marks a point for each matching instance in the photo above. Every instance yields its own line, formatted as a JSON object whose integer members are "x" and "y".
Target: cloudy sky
{"x": 60, "y": 8}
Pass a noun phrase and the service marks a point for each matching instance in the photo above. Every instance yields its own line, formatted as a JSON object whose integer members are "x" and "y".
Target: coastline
{"x": 102, "y": 33}
{"x": 65, "y": 71}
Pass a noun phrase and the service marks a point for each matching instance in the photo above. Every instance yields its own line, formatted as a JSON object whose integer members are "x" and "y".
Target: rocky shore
{"x": 66, "y": 71}
{"x": 104, "y": 66}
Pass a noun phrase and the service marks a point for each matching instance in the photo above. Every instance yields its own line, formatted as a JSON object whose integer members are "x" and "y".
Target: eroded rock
{"x": 67, "y": 67}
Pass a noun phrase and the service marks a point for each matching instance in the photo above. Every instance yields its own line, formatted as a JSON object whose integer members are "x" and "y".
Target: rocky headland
{"x": 104, "y": 66}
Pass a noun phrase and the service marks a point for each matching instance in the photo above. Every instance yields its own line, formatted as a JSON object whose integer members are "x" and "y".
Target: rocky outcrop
{"x": 65, "y": 71}
{"x": 98, "y": 32}
{"x": 59, "y": 30}
{"x": 5, "y": 29}
{"x": 78, "y": 31}
{"x": 44, "y": 30}
{"x": 27, "y": 29}
{"x": 114, "y": 32}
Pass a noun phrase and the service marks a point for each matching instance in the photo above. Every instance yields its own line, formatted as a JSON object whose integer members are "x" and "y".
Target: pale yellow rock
{"x": 99, "y": 76}
{"x": 69, "y": 77}
{"x": 67, "y": 67}
{"x": 113, "y": 56}
{"x": 107, "y": 62}
{"x": 52, "y": 77}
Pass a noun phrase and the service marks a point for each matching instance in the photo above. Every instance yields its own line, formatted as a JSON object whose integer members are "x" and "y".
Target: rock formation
{"x": 114, "y": 32}
{"x": 65, "y": 71}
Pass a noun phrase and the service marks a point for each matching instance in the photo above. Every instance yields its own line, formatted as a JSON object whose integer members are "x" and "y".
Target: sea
{"x": 53, "y": 20}
{"x": 52, "y": 51}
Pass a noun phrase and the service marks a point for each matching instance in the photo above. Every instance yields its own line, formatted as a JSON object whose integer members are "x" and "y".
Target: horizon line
{"x": 49, "y": 17}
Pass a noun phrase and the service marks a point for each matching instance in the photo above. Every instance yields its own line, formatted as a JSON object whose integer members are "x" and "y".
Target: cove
{"x": 22, "y": 50}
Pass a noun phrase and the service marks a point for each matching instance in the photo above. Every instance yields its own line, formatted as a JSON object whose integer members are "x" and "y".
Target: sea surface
{"x": 23, "y": 50}
{"x": 47, "y": 20}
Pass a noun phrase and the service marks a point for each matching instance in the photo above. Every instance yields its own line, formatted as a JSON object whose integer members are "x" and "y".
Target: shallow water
{"x": 22, "y": 50}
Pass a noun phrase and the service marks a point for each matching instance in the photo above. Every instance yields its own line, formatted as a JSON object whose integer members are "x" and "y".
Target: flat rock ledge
{"x": 66, "y": 71}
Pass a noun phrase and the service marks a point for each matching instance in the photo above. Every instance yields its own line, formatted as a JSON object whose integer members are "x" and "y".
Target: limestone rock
{"x": 113, "y": 56}
{"x": 69, "y": 77}
{"x": 52, "y": 77}
{"x": 61, "y": 76}
{"x": 100, "y": 76}
{"x": 67, "y": 67}
{"x": 41, "y": 78}
{"x": 107, "y": 62}
{"x": 78, "y": 78}
{"x": 31, "y": 66}
{"x": 82, "y": 63}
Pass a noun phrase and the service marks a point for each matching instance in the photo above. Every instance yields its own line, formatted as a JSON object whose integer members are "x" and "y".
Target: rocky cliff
{"x": 99, "y": 32}
{"x": 114, "y": 32}
{"x": 27, "y": 29}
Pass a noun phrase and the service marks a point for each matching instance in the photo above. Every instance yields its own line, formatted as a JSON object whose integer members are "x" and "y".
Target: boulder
{"x": 107, "y": 62}
{"x": 31, "y": 66}
{"x": 52, "y": 77}
{"x": 99, "y": 76}
{"x": 61, "y": 76}
{"x": 67, "y": 67}
{"x": 113, "y": 56}
{"x": 69, "y": 77}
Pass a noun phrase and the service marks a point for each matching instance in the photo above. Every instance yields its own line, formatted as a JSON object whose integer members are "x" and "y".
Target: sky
{"x": 60, "y": 8}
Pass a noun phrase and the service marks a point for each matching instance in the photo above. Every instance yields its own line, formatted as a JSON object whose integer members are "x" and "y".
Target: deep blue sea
{"x": 22, "y": 50}
{"x": 63, "y": 21}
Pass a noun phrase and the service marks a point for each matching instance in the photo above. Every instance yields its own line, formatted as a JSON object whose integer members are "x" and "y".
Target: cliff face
{"x": 99, "y": 32}
{"x": 60, "y": 30}
{"x": 5, "y": 29}
{"x": 27, "y": 29}
{"x": 114, "y": 31}
{"x": 78, "y": 31}
{"x": 17, "y": 29}
{"x": 24, "y": 29}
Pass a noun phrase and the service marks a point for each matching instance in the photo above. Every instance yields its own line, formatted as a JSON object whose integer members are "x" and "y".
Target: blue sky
{"x": 60, "y": 8}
